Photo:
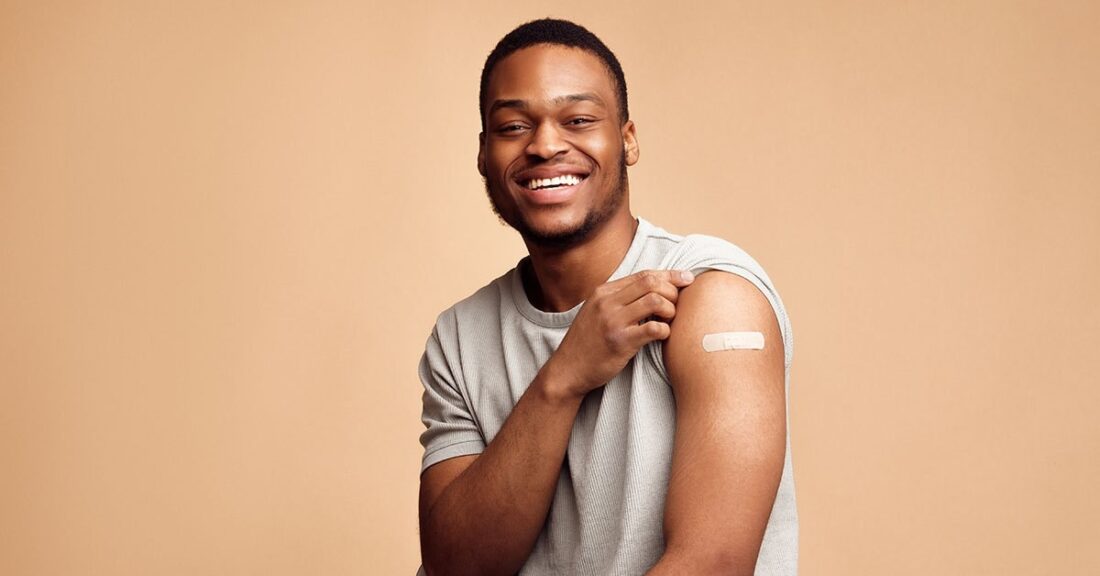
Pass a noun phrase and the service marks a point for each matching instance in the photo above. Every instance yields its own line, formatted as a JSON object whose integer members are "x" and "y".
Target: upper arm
{"x": 730, "y": 424}
{"x": 451, "y": 438}
{"x": 435, "y": 480}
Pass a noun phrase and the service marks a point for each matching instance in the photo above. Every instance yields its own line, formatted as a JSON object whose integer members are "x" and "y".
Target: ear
{"x": 630, "y": 143}
{"x": 481, "y": 153}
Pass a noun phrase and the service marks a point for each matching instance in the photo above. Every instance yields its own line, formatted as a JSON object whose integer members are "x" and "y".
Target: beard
{"x": 561, "y": 239}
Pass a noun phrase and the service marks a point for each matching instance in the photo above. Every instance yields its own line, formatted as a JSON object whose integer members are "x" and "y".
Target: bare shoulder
{"x": 720, "y": 303}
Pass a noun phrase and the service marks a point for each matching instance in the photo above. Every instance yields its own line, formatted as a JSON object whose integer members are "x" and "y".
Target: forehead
{"x": 548, "y": 71}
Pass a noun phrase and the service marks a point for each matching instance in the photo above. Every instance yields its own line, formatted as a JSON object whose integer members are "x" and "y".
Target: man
{"x": 579, "y": 418}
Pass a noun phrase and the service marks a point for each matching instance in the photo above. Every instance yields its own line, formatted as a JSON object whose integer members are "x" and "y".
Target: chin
{"x": 562, "y": 233}
{"x": 559, "y": 227}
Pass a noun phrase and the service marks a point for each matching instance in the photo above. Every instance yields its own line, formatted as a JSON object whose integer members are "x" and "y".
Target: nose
{"x": 546, "y": 141}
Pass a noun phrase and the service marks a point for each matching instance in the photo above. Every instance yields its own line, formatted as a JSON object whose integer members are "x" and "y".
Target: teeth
{"x": 566, "y": 180}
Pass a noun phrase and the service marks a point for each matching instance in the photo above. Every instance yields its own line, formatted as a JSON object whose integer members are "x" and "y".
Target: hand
{"x": 614, "y": 323}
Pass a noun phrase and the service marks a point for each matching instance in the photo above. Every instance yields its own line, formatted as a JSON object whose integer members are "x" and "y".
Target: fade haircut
{"x": 561, "y": 33}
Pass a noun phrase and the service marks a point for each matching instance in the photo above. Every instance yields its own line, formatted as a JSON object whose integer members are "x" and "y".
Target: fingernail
{"x": 686, "y": 276}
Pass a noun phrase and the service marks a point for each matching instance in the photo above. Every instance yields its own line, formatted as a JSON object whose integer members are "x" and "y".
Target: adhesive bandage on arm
{"x": 733, "y": 341}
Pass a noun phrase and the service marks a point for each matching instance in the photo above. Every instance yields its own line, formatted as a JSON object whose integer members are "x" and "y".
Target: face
{"x": 554, "y": 153}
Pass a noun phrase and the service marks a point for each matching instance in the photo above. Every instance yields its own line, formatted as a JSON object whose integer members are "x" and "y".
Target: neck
{"x": 560, "y": 278}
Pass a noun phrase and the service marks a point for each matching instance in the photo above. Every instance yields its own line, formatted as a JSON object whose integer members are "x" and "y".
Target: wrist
{"x": 558, "y": 385}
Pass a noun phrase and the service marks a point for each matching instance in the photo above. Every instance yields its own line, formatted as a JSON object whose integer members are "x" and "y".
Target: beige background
{"x": 225, "y": 232}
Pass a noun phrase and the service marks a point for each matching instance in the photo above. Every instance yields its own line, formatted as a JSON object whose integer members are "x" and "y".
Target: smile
{"x": 555, "y": 182}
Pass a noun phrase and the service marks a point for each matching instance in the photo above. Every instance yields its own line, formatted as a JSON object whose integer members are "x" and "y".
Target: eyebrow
{"x": 567, "y": 99}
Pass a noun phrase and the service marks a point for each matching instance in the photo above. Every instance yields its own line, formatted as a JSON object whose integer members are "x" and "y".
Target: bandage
{"x": 733, "y": 341}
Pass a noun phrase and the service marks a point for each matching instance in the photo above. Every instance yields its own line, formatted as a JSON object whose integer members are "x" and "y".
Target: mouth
{"x": 553, "y": 183}
{"x": 552, "y": 190}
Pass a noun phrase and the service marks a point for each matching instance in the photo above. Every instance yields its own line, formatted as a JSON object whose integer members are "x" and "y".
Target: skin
{"x": 553, "y": 109}
{"x": 730, "y": 430}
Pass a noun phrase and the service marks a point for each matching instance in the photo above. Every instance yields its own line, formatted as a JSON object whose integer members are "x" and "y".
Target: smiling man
{"x": 616, "y": 403}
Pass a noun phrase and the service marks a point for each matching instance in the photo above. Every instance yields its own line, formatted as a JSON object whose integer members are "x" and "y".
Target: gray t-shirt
{"x": 608, "y": 508}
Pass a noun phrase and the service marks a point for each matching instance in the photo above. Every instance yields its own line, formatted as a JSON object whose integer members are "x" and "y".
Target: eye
{"x": 511, "y": 128}
{"x": 580, "y": 121}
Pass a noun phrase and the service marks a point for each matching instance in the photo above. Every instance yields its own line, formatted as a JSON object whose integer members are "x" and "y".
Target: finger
{"x": 647, "y": 332}
{"x": 651, "y": 304}
{"x": 676, "y": 277}
{"x": 681, "y": 278}
{"x": 664, "y": 282}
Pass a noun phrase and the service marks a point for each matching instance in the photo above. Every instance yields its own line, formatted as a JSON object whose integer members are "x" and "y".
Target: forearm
{"x": 487, "y": 520}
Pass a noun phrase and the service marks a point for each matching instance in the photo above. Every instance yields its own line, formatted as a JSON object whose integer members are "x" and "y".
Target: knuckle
{"x": 616, "y": 341}
{"x": 654, "y": 329}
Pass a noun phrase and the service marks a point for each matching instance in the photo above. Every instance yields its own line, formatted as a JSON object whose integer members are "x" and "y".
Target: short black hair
{"x": 560, "y": 32}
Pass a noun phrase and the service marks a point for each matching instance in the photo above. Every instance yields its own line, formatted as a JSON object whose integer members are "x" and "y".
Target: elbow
{"x": 726, "y": 564}
{"x": 433, "y": 560}
{"x": 455, "y": 570}
{"x": 731, "y": 564}
{"x": 429, "y": 568}
{"x": 717, "y": 561}
{"x": 436, "y": 561}
{"x": 436, "y": 569}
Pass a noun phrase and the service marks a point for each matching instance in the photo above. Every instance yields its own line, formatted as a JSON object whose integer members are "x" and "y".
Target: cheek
{"x": 497, "y": 160}
{"x": 606, "y": 148}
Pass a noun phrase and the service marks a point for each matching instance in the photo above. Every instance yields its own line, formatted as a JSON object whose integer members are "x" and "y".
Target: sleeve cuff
{"x": 460, "y": 448}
